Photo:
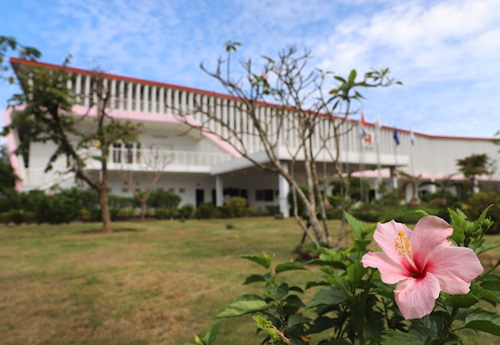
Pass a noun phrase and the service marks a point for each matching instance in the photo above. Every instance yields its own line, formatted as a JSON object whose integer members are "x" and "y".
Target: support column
{"x": 219, "y": 186}
{"x": 284, "y": 188}
{"x": 432, "y": 187}
{"x": 394, "y": 178}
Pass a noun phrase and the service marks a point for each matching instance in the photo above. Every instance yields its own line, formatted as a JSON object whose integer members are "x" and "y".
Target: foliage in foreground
{"x": 354, "y": 306}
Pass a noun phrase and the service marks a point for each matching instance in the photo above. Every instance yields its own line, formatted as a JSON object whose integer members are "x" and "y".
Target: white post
{"x": 394, "y": 178}
{"x": 284, "y": 188}
{"x": 219, "y": 197}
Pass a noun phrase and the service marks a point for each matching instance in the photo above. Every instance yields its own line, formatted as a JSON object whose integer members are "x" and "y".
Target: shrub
{"x": 272, "y": 209}
{"x": 186, "y": 211}
{"x": 163, "y": 199}
{"x": 165, "y": 213}
{"x": 478, "y": 202}
{"x": 84, "y": 215}
{"x": 122, "y": 213}
{"x": 116, "y": 201}
{"x": 229, "y": 226}
{"x": 252, "y": 212}
{"x": 57, "y": 208}
{"x": 235, "y": 206}
{"x": 4, "y": 218}
{"x": 207, "y": 210}
{"x": 16, "y": 216}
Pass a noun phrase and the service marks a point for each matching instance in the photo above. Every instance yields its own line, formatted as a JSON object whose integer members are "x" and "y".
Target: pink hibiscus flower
{"x": 422, "y": 262}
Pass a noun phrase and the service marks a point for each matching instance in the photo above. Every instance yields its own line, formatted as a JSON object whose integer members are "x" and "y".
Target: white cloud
{"x": 446, "y": 52}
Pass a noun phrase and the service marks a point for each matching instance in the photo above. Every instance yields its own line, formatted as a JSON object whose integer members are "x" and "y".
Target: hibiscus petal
{"x": 417, "y": 297}
{"x": 455, "y": 267}
{"x": 390, "y": 271}
{"x": 429, "y": 232}
{"x": 386, "y": 234}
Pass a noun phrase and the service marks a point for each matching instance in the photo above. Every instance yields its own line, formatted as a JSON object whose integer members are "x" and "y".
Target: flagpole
{"x": 362, "y": 135}
{"x": 395, "y": 177}
{"x": 412, "y": 140}
{"x": 379, "y": 174}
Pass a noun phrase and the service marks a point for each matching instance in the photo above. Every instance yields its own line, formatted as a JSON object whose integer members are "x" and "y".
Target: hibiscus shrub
{"x": 440, "y": 288}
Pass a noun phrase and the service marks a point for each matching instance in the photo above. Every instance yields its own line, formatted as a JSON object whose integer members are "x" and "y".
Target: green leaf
{"x": 289, "y": 266}
{"x": 355, "y": 272}
{"x": 486, "y": 295}
{"x": 296, "y": 319}
{"x": 355, "y": 225}
{"x": 277, "y": 293}
{"x": 268, "y": 328}
{"x": 254, "y": 278}
{"x": 482, "y": 217}
{"x": 331, "y": 263}
{"x": 264, "y": 260}
{"x": 352, "y": 76}
{"x": 485, "y": 247}
{"x": 395, "y": 337}
{"x": 422, "y": 212}
{"x": 361, "y": 245}
{"x": 328, "y": 296}
{"x": 244, "y": 305}
{"x": 491, "y": 283}
{"x": 460, "y": 301}
{"x": 211, "y": 333}
{"x": 459, "y": 224}
{"x": 484, "y": 321}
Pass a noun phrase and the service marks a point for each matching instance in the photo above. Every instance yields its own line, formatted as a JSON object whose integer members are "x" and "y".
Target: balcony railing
{"x": 132, "y": 158}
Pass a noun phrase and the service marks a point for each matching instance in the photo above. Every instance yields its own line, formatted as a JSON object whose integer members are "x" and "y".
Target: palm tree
{"x": 473, "y": 166}
{"x": 443, "y": 185}
{"x": 412, "y": 180}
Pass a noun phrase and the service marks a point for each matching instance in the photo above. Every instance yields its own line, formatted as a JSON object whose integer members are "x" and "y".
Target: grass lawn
{"x": 156, "y": 282}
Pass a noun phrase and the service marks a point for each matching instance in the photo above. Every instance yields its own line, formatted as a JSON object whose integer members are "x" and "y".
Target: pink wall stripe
{"x": 155, "y": 117}
{"x": 12, "y": 146}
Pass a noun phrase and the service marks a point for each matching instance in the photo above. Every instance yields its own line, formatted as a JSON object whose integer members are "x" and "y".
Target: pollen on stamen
{"x": 402, "y": 244}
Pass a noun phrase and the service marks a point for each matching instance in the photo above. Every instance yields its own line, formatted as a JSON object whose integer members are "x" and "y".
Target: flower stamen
{"x": 402, "y": 244}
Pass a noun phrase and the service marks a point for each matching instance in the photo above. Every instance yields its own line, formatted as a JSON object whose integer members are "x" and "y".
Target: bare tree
{"x": 284, "y": 108}
{"x": 154, "y": 161}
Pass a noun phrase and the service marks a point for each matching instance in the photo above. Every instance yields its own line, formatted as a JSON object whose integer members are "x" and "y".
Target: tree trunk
{"x": 105, "y": 215}
{"x": 143, "y": 210}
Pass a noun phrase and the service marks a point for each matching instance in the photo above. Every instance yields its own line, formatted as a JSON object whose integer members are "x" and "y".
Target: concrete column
{"x": 432, "y": 187}
{"x": 394, "y": 178}
{"x": 284, "y": 188}
{"x": 219, "y": 186}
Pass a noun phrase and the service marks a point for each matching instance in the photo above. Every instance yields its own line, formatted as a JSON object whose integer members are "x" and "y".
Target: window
{"x": 264, "y": 195}
{"x": 117, "y": 153}
{"x": 138, "y": 153}
{"x": 130, "y": 152}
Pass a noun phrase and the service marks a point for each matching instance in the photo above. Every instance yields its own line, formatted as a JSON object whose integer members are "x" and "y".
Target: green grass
{"x": 147, "y": 283}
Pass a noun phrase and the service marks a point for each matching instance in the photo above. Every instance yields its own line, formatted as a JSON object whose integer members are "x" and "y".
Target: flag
{"x": 363, "y": 122}
{"x": 361, "y": 131}
{"x": 362, "y": 125}
{"x": 396, "y": 136}
{"x": 412, "y": 137}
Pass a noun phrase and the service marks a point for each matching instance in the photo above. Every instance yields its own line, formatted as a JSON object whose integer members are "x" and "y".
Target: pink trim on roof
{"x": 12, "y": 146}
{"x": 432, "y": 177}
{"x": 155, "y": 117}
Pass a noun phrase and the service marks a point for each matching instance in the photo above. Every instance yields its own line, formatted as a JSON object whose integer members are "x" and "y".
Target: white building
{"x": 203, "y": 168}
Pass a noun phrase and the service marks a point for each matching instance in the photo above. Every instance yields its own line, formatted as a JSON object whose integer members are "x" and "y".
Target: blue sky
{"x": 447, "y": 53}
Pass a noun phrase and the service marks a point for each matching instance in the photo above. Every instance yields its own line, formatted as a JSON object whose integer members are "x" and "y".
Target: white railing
{"x": 133, "y": 158}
